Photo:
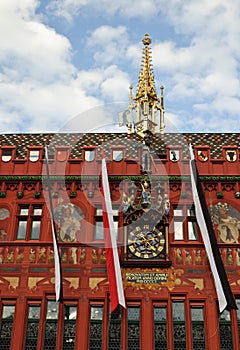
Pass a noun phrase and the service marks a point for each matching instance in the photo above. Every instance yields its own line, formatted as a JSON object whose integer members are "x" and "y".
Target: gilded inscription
{"x": 149, "y": 279}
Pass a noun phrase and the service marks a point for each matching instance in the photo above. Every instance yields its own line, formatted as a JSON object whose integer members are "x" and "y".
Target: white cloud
{"x": 116, "y": 85}
{"x": 28, "y": 106}
{"x": 220, "y": 84}
{"x": 214, "y": 123}
{"x": 168, "y": 57}
{"x": 39, "y": 86}
{"x": 130, "y": 9}
{"x": 214, "y": 17}
{"x": 68, "y": 9}
{"x": 110, "y": 84}
{"x": 31, "y": 48}
{"x": 24, "y": 9}
{"x": 36, "y": 71}
{"x": 105, "y": 34}
{"x": 133, "y": 52}
{"x": 205, "y": 71}
{"x": 109, "y": 43}
{"x": 220, "y": 106}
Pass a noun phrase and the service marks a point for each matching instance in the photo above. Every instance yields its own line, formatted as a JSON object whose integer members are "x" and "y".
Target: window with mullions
{"x": 96, "y": 327}
{"x": 198, "y": 332}
{"x": 160, "y": 328}
{"x": 32, "y": 329}
{"x": 99, "y": 229}
{"x": 6, "y": 326}
{"x": 179, "y": 325}
{"x": 192, "y": 224}
{"x": 114, "y": 330}
{"x": 133, "y": 331}
{"x": 29, "y": 222}
{"x": 69, "y": 328}
{"x": 185, "y": 224}
{"x": 225, "y": 331}
{"x": 51, "y": 324}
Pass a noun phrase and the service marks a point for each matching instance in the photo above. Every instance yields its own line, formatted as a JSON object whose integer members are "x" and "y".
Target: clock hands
{"x": 147, "y": 241}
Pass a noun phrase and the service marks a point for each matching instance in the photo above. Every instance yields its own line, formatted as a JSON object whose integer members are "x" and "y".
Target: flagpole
{"x": 57, "y": 260}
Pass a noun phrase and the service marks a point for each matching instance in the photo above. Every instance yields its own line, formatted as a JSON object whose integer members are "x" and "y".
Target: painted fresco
{"x": 226, "y": 220}
{"x": 4, "y": 219}
{"x": 68, "y": 217}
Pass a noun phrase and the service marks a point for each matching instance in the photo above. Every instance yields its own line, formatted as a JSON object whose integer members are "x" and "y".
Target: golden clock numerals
{"x": 138, "y": 254}
{"x": 131, "y": 248}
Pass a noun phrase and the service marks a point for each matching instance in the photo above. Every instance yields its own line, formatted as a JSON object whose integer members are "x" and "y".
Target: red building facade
{"x": 170, "y": 294}
{"x": 171, "y": 301}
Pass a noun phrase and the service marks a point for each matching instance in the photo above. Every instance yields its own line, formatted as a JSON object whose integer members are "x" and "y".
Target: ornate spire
{"x": 146, "y": 99}
{"x": 146, "y": 89}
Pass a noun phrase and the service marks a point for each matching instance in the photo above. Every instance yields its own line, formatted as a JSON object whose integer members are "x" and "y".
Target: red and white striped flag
{"x": 113, "y": 265}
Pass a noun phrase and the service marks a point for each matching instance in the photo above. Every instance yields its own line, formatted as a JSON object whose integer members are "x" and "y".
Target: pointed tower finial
{"x": 146, "y": 99}
{"x": 146, "y": 40}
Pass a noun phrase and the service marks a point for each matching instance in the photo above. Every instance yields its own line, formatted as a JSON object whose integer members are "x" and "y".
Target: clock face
{"x": 146, "y": 243}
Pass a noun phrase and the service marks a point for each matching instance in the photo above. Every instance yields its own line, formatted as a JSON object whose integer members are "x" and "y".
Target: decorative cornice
{"x": 116, "y": 178}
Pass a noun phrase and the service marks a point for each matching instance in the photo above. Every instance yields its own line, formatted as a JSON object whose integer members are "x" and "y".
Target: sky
{"x": 63, "y": 62}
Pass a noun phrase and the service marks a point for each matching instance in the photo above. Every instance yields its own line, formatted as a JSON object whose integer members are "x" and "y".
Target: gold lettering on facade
{"x": 149, "y": 279}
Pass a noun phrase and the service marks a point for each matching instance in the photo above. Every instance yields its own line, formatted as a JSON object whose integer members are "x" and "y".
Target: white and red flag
{"x": 225, "y": 296}
{"x": 57, "y": 260}
{"x": 113, "y": 265}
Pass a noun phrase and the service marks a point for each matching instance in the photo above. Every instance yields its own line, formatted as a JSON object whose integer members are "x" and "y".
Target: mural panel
{"x": 4, "y": 219}
{"x": 226, "y": 220}
{"x": 68, "y": 217}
